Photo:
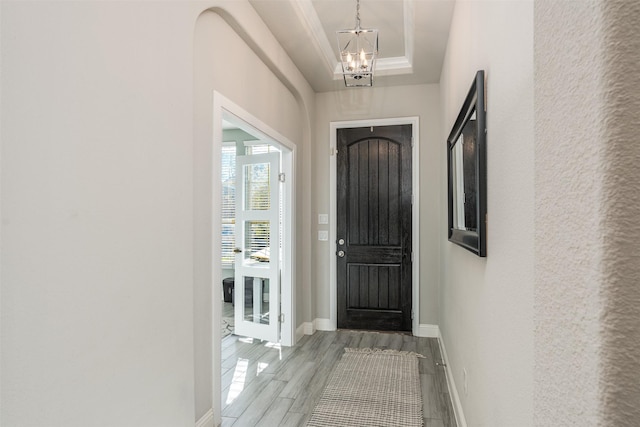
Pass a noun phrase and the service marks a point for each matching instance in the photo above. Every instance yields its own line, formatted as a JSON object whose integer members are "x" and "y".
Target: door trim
{"x": 415, "y": 218}
{"x": 222, "y": 105}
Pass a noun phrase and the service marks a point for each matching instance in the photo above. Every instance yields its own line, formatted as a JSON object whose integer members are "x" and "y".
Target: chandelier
{"x": 358, "y": 49}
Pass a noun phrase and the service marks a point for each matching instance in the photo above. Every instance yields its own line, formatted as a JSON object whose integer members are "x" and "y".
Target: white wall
{"x": 104, "y": 294}
{"x": 587, "y": 353}
{"x": 486, "y": 304}
{"x": 379, "y": 103}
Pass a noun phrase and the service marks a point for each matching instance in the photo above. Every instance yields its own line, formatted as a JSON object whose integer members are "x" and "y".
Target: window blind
{"x": 228, "y": 205}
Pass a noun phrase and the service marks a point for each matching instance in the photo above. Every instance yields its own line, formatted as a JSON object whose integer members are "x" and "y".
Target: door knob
{"x": 341, "y": 254}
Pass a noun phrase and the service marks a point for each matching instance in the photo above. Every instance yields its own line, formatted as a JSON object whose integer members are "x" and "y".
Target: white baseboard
{"x": 320, "y": 324}
{"x": 206, "y": 420}
{"x": 427, "y": 331}
{"x": 323, "y": 324}
{"x": 309, "y": 328}
{"x": 300, "y": 332}
{"x": 453, "y": 391}
{"x": 305, "y": 328}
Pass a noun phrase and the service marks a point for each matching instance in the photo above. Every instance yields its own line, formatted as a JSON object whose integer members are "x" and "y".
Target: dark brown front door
{"x": 374, "y": 228}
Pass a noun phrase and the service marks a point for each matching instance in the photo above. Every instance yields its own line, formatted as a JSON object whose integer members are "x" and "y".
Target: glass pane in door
{"x": 257, "y": 238}
{"x": 256, "y": 300}
{"x": 257, "y": 187}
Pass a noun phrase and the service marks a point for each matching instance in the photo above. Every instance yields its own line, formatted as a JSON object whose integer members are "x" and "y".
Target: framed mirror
{"x": 467, "y": 172}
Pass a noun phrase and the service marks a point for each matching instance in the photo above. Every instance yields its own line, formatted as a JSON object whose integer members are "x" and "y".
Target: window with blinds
{"x": 228, "y": 204}
{"x": 260, "y": 149}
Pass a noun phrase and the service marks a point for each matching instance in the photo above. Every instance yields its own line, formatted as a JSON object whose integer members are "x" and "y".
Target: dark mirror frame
{"x": 474, "y": 159}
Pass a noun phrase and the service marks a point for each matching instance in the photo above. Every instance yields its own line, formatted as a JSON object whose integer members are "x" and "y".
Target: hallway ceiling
{"x": 413, "y": 37}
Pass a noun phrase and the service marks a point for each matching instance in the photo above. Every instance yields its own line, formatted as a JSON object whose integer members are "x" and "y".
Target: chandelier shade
{"x": 358, "y": 50}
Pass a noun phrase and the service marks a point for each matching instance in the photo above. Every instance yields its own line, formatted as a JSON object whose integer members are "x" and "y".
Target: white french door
{"x": 257, "y": 252}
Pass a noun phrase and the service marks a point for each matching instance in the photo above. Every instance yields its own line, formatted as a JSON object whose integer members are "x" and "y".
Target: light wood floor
{"x": 265, "y": 385}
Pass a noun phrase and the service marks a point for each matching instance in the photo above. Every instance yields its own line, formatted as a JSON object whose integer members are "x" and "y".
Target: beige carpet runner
{"x": 371, "y": 387}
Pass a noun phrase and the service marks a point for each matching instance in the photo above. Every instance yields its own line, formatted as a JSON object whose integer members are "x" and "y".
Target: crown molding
{"x": 384, "y": 67}
{"x": 309, "y": 18}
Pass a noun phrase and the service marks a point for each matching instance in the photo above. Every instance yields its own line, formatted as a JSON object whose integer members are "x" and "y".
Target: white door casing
{"x": 332, "y": 322}
{"x": 227, "y": 110}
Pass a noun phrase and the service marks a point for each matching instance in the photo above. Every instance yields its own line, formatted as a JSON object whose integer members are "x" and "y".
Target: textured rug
{"x": 227, "y": 326}
{"x": 371, "y": 387}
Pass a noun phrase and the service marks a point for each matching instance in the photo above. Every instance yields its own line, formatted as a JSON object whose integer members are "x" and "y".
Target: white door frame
{"x": 415, "y": 217}
{"x": 223, "y": 106}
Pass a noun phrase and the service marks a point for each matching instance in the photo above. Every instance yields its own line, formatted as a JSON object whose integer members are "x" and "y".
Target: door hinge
{"x": 411, "y": 314}
{"x": 281, "y": 317}
{"x": 281, "y": 177}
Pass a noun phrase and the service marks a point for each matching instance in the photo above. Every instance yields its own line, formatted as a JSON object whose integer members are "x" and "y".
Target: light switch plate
{"x": 323, "y": 219}
{"x": 323, "y": 235}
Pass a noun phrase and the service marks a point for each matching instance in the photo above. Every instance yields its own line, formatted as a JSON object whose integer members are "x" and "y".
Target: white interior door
{"x": 257, "y": 262}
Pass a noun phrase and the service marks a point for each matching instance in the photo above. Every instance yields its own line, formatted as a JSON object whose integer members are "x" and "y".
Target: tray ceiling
{"x": 413, "y": 36}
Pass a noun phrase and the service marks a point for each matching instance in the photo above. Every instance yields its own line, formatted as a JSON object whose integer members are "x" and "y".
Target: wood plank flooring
{"x": 265, "y": 385}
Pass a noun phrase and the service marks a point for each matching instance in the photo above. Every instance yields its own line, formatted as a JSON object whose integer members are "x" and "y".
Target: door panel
{"x": 374, "y": 286}
{"x": 257, "y": 290}
{"x": 374, "y": 228}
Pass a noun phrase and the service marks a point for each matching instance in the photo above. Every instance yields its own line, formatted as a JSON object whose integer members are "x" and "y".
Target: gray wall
{"x": 486, "y": 304}
{"x": 378, "y": 103}
{"x": 264, "y": 95}
{"x": 106, "y": 201}
{"x": 97, "y": 214}
{"x": 105, "y": 273}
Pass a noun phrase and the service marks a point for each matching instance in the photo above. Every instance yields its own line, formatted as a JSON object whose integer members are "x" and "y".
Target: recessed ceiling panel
{"x": 387, "y": 16}
{"x": 306, "y": 29}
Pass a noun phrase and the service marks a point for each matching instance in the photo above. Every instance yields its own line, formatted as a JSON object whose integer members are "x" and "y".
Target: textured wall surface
{"x": 621, "y": 263}
{"x": 587, "y": 342}
{"x": 568, "y": 213}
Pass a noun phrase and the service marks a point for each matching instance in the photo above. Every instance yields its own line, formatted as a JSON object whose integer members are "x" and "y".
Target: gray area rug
{"x": 371, "y": 387}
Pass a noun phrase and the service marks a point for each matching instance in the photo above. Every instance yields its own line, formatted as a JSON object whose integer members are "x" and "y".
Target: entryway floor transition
{"x": 266, "y": 385}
